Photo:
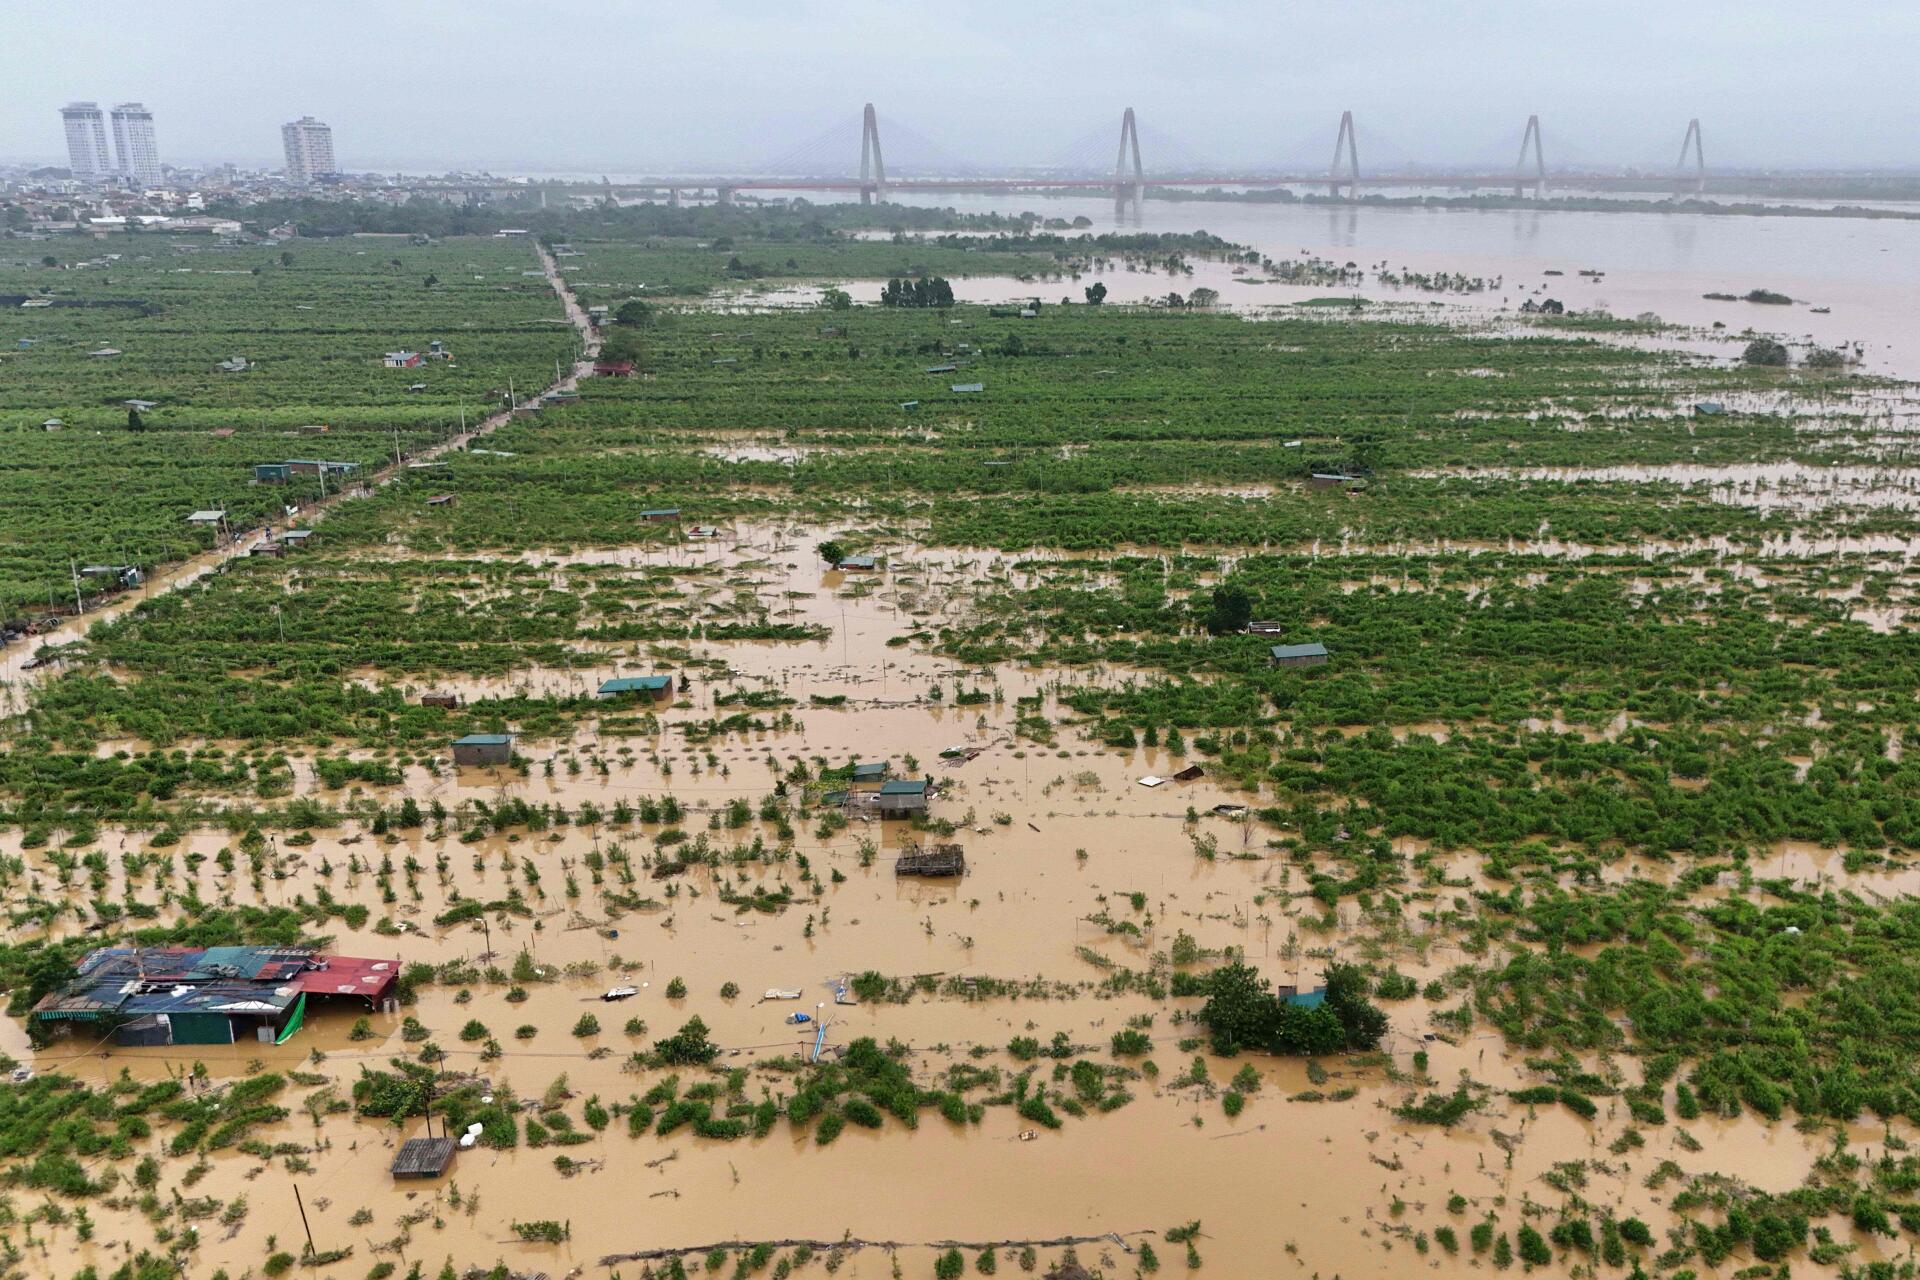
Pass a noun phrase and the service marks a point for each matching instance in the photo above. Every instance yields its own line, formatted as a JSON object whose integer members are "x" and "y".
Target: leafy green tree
{"x": 1096, "y": 293}
{"x": 833, "y": 551}
{"x": 1766, "y": 353}
{"x": 634, "y": 314}
{"x": 1231, "y": 611}
{"x": 1240, "y": 1012}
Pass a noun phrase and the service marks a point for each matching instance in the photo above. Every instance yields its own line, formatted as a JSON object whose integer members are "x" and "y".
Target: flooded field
{"x": 1494, "y": 859}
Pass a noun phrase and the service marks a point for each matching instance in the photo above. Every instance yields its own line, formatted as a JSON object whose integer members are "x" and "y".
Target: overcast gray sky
{"x": 628, "y": 86}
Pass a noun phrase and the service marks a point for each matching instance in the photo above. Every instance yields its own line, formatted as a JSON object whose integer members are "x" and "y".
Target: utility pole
{"x": 311, "y": 1251}
{"x": 74, "y": 569}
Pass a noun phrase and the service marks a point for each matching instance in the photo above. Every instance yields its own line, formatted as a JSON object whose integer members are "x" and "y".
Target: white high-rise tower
{"x": 134, "y": 142}
{"x": 86, "y": 140}
{"x": 309, "y": 147}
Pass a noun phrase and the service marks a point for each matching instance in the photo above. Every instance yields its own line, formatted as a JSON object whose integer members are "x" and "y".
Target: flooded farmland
{"x": 1564, "y": 873}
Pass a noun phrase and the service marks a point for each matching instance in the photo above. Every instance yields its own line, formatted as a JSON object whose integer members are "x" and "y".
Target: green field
{"x": 313, "y": 320}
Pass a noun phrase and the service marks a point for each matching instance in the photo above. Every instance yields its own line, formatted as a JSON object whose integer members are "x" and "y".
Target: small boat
{"x": 798, "y": 1019}
{"x": 1823, "y": 311}
{"x": 620, "y": 993}
{"x": 776, "y": 993}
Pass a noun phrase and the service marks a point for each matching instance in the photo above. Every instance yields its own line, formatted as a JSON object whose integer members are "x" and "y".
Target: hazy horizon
{"x": 624, "y": 87}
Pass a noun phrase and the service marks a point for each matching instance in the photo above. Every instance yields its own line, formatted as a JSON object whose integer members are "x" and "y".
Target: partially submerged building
{"x": 902, "y": 795}
{"x": 651, "y": 688}
{"x": 209, "y": 995}
{"x": 483, "y": 748}
{"x": 940, "y": 860}
{"x": 1299, "y": 998}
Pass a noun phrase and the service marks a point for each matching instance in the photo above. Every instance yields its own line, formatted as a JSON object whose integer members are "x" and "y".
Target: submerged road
{"x": 14, "y": 673}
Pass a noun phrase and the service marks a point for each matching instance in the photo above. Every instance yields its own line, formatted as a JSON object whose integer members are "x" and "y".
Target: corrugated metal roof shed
{"x": 636, "y": 684}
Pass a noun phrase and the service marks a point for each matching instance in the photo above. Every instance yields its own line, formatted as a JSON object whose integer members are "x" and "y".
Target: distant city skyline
{"x": 552, "y": 87}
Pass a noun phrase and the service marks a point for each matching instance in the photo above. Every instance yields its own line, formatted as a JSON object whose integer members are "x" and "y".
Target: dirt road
{"x": 14, "y": 659}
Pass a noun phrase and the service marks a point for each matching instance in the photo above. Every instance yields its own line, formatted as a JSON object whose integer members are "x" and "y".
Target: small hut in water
{"x": 422, "y": 1158}
{"x": 941, "y": 860}
{"x": 902, "y": 795}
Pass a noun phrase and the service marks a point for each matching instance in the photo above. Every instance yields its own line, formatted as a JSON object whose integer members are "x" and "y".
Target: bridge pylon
{"x": 873, "y": 169}
{"x": 1127, "y": 188}
{"x": 1530, "y": 138}
{"x": 1697, "y": 180}
{"x": 1344, "y": 141}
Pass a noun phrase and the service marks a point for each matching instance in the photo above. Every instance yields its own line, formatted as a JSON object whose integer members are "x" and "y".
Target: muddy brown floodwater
{"x": 1055, "y": 835}
{"x": 1315, "y": 1177}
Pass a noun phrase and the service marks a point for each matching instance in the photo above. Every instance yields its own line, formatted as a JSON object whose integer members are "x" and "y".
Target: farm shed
{"x": 968, "y": 388}
{"x": 857, "y": 564}
{"x": 440, "y": 500}
{"x": 1311, "y": 998}
{"x": 209, "y": 995}
{"x": 871, "y": 774}
{"x": 483, "y": 748}
{"x": 445, "y": 701}
{"x": 1708, "y": 408}
{"x": 1299, "y": 655}
{"x": 271, "y": 473}
{"x": 941, "y": 368}
{"x": 116, "y": 575}
{"x": 402, "y": 360}
{"x": 653, "y": 688}
{"x": 903, "y": 795}
{"x": 207, "y": 517}
{"x": 294, "y": 539}
{"x": 661, "y": 515}
{"x": 1265, "y": 628}
{"x": 613, "y": 368}
{"x": 1331, "y": 479}
{"x": 238, "y": 364}
{"x": 422, "y": 1158}
{"x": 319, "y": 466}
{"x": 941, "y": 860}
